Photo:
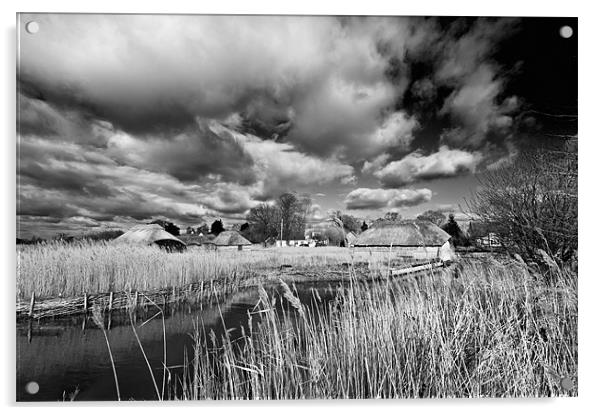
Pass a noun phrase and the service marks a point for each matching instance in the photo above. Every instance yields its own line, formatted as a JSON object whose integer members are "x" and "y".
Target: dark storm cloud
{"x": 187, "y": 178}
{"x": 330, "y": 92}
{"x": 63, "y": 176}
{"x": 459, "y": 89}
{"x": 334, "y": 92}
{"x": 44, "y": 206}
{"x": 68, "y": 180}
{"x": 188, "y": 156}
{"x": 37, "y": 117}
{"x": 50, "y": 131}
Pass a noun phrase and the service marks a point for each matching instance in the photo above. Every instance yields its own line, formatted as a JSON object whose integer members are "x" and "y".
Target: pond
{"x": 57, "y": 358}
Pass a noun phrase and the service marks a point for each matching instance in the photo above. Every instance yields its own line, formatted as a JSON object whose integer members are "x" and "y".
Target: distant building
{"x": 483, "y": 235}
{"x": 407, "y": 238}
{"x": 194, "y": 240}
{"x": 152, "y": 234}
{"x": 293, "y": 242}
{"x": 231, "y": 240}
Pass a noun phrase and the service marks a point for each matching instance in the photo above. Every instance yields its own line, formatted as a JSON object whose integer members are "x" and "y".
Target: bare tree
{"x": 435, "y": 216}
{"x": 294, "y": 210}
{"x": 262, "y": 220}
{"x": 288, "y": 205}
{"x": 288, "y": 216}
{"x": 532, "y": 202}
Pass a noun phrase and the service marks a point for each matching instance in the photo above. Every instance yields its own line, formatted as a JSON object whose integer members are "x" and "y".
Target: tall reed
{"x": 492, "y": 330}
{"x": 59, "y": 269}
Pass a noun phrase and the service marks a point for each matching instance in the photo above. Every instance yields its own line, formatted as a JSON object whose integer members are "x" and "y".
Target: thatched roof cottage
{"x": 151, "y": 235}
{"x": 231, "y": 240}
{"x": 408, "y": 238}
{"x": 194, "y": 240}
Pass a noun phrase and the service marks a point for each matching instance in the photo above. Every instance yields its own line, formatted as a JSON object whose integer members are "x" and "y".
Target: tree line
{"x": 286, "y": 218}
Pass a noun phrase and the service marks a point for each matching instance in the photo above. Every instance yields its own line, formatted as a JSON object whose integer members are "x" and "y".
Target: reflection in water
{"x": 61, "y": 357}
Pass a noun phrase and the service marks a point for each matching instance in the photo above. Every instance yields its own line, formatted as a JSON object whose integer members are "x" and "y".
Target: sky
{"x": 123, "y": 119}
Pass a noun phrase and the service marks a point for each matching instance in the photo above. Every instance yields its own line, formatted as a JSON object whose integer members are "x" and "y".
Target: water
{"x": 61, "y": 356}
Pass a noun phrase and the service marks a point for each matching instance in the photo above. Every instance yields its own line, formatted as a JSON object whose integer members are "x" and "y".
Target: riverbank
{"x": 490, "y": 330}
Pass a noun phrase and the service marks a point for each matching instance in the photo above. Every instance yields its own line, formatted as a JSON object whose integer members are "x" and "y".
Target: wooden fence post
{"x": 32, "y": 304}
{"x": 85, "y": 303}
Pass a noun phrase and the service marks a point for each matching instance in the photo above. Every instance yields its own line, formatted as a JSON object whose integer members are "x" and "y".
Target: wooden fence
{"x": 35, "y": 308}
{"x": 124, "y": 300}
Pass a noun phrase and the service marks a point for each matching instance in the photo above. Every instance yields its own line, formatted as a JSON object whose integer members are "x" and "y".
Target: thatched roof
{"x": 194, "y": 239}
{"x": 148, "y": 235}
{"x": 230, "y": 238}
{"x": 403, "y": 233}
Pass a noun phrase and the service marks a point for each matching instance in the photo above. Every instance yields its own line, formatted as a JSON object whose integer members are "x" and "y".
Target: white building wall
{"x": 444, "y": 252}
{"x": 292, "y": 242}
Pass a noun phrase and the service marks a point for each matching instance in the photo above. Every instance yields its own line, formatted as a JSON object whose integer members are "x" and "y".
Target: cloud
{"x": 473, "y": 106}
{"x": 415, "y": 166}
{"x": 211, "y": 171}
{"x": 425, "y": 90}
{"x": 465, "y": 64}
{"x": 43, "y": 205}
{"x": 130, "y": 117}
{"x": 364, "y": 198}
{"x": 316, "y": 214}
{"x": 124, "y": 192}
{"x": 336, "y": 93}
{"x": 281, "y": 167}
{"x": 376, "y": 164}
{"x": 188, "y": 156}
{"x": 464, "y": 48}
{"x": 396, "y": 131}
{"x": 149, "y": 74}
{"x": 228, "y": 201}
{"x": 71, "y": 181}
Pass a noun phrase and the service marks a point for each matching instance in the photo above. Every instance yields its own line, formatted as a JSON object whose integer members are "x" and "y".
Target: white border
{"x": 589, "y": 185}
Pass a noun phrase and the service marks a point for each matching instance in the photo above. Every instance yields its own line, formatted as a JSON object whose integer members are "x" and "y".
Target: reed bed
{"x": 62, "y": 270}
{"x": 491, "y": 330}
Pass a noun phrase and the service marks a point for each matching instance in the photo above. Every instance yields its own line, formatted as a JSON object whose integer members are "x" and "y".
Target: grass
{"x": 496, "y": 330}
{"x": 489, "y": 329}
{"x": 69, "y": 270}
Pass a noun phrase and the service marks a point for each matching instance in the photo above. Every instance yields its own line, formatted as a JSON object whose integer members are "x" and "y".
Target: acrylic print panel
{"x": 296, "y": 207}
